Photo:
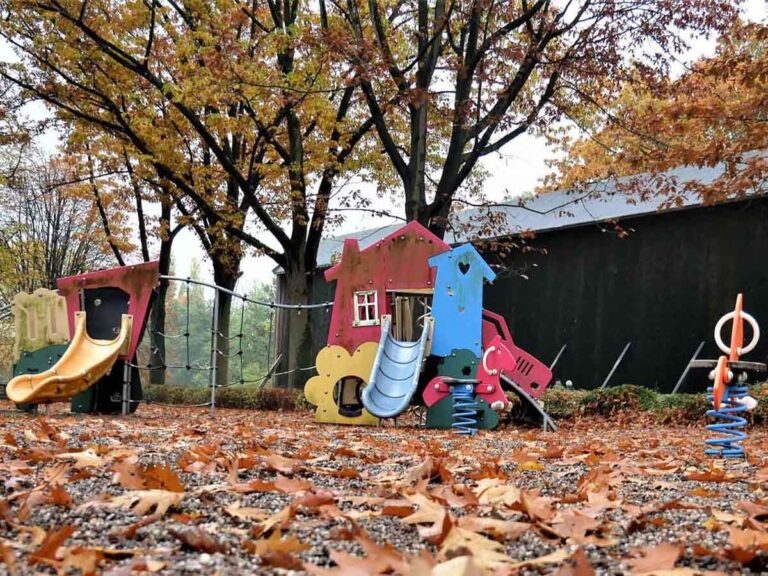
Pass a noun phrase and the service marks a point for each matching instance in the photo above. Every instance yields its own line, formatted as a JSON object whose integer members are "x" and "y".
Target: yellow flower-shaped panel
{"x": 337, "y": 389}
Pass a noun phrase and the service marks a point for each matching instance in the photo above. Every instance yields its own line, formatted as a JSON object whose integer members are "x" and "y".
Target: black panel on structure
{"x": 104, "y": 308}
{"x": 663, "y": 288}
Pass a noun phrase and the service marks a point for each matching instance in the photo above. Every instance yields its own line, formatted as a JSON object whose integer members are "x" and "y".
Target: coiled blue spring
{"x": 464, "y": 410}
{"x": 728, "y": 446}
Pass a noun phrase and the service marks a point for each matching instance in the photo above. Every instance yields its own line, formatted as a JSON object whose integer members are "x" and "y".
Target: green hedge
{"x": 233, "y": 397}
{"x": 562, "y": 403}
{"x": 559, "y": 402}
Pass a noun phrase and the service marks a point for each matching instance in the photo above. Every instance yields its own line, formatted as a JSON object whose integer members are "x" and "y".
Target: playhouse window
{"x": 366, "y": 308}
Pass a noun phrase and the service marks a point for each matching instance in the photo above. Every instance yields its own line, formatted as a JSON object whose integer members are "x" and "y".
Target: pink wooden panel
{"x": 137, "y": 281}
{"x": 397, "y": 262}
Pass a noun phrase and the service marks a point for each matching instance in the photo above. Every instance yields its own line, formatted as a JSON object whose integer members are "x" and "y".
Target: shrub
{"x": 249, "y": 397}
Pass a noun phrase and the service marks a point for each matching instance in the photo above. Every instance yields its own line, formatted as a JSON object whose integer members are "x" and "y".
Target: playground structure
{"x": 729, "y": 392}
{"x": 77, "y": 343}
{"x": 408, "y": 328}
{"x": 80, "y": 343}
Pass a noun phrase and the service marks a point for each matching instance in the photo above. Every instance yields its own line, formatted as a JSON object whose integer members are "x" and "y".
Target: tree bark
{"x": 299, "y": 353}
{"x": 157, "y": 318}
{"x": 225, "y": 276}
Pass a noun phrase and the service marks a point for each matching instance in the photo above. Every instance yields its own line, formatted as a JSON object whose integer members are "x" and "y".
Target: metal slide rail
{"x": 546, "y": 418}
{"x": 216, "y": 335}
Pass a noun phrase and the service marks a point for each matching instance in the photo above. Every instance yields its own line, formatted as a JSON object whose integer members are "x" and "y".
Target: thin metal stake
{"x": 615, "y": 365}
{"x": 687, "y": 368}
{"x": 126, "y": 389}
{"x": 214, "y": 351}
{"x": 557, "y": 358}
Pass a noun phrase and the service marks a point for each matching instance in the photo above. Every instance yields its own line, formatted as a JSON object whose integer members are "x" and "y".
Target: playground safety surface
{"x": 174, "y": 490}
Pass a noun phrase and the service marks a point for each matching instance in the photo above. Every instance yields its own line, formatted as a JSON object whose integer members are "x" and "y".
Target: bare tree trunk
{"x": 225, "y": 277}
{"x": 157, "y": 319}
{"x": 298, "y": 290}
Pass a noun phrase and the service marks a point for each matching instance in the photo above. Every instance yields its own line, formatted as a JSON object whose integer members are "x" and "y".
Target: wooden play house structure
{"x": 408, "y": 327}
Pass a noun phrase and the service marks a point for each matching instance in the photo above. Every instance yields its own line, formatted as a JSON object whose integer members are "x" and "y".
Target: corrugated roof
{"x": 551, "y": 211}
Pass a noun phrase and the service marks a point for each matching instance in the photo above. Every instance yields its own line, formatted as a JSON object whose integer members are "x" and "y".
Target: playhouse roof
{"x": 543, "y": 213}
{"x": 412, "y": 228}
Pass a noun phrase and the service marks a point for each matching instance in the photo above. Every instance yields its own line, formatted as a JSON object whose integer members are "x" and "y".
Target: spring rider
{"x": 729, "y": 392}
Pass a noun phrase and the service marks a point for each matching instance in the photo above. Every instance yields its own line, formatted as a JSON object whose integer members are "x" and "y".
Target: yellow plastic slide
{"x": 85, "y": 361}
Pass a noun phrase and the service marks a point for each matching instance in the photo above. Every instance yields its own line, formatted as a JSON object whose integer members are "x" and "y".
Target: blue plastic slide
{"x": 395, "y": 373}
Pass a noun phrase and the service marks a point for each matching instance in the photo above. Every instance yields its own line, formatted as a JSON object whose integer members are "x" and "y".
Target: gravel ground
{"x": 275, "y": 493}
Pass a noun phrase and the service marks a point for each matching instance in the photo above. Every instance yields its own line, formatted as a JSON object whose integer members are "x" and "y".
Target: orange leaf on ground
{"x": 275, "y": 543}
{"x": 497, "y": 529}
{"x": 537, "y": 507}
{"x": 53, "y": 541}
{"x": 292, "y": 485}
{"x": 578, "y": 565}
{"x": 197, "y": 539}
{"x": 656, "y": 558}
{"x": 86, "y": 560}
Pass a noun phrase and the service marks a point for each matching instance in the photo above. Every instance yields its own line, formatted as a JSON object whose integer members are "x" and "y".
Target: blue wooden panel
{"x": 457, "y": 305}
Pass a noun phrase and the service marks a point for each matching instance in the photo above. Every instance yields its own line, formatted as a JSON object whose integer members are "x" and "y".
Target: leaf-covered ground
{"x": 173, "y": 490}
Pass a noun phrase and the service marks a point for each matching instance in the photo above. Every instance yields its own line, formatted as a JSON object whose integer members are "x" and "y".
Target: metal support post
{"x": 615, "y": 365}
{"x": 557, "y": 358}
{"x": 214, "y": 351}
{"x": 687, "y": 368}
{"x": 126, "y": 389}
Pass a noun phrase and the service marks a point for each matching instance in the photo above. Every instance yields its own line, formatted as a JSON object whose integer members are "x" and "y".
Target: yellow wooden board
{"x": 334, "y": 364}
{"x": 40, "y": 321}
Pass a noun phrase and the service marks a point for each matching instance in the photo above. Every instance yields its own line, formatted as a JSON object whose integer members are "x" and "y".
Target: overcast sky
{"x": 516, "y": 170}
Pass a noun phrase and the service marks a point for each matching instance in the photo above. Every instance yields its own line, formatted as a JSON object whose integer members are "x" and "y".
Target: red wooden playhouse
{"x": 408, "y": 328}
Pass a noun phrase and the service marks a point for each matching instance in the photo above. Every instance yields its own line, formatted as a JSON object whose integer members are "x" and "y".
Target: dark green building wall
{"x": 662, "y": 288}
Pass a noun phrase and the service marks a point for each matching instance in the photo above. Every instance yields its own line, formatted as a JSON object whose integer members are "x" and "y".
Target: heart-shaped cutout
{"x": 464, "y": 267}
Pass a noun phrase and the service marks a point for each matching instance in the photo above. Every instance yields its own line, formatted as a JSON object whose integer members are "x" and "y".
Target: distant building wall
{"x": 662, "y": 288}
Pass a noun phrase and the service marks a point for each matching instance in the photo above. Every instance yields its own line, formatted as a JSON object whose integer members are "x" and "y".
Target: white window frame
{"x": 371, "y": 299}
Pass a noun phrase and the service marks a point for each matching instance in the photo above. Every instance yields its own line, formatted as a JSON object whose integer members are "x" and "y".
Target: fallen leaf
{"x": 197, "y": 539}
{"x": 142, "y": 501}
{"x": 85, "y": 459}
{"x": 53, "y": 540}
{"x": 652, "y": 559}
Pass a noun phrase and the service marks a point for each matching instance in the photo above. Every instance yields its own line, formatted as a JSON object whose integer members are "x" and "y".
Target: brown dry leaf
{"x": 147, "y": 565}
{"x": 496, "y": 492}
{"x": 161, "y": 477}
{"x": 7, "y": 556}
{"x": 245, "y": 513}
{"x": 379, "y": 560}
{"x": 292, "y": 485}
{"x": 502, "y": 530}
{"x": 556, "y": 557}
{"x": 713, "y": 474}
{"x": 197, "y": 539}
{"x": 574, "y": 525}
{"x": 86, "y": 560}
{"x": 275, "y": 543}
{"x": 429, "y": 511}
{"x": 85, "y": 459}
{"x": 537, "y": 507}
{"x": 60, "y": 497}
{"x": 530, "y": 466}
{"x": 280, "y": 520}
{"x": 459, "y": 566}
{"x": 128, "y": 475}
{"x": 487, "y": 554}
{"x": 747, "y": 538}
{"x": 278, "y": 463}
{"x": 142, "y": 501}
{"x": 415, "y": 474}
{"x": 284, "y": 560}
{"x": 656, "y": 558}
{"x": 53, "y": 541}
{"x": 579, "y": 565}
